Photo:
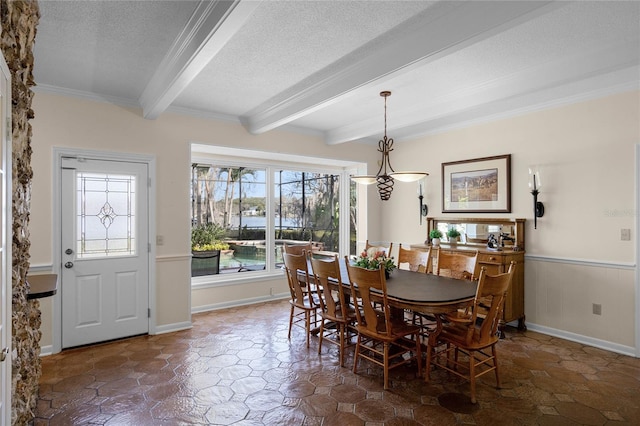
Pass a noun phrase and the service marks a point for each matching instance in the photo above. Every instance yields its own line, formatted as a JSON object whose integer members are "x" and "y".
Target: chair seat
{"x": 399, "y": 331}
{"x": 306, "y": 302}
{"x": 458, "y": 336}
{"x": 338, "y": 316}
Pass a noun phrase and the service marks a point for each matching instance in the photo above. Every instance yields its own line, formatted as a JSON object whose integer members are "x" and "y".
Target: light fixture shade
{"x": 408, "y": 176}
{"x": 386, "y": 176}
{"x": 534, "y": 178}
{"x": 364, "y": 179}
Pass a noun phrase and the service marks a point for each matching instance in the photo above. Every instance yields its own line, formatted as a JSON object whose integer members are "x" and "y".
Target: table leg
{"x": 432, "y": 344}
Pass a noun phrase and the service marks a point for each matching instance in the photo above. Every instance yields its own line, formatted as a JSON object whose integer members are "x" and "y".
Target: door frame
{"x": 58, "y": 153}
{"x": 637, "y": 246}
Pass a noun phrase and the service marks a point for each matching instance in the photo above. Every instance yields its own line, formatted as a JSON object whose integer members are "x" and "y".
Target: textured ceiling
{"x": 319, "y": 66}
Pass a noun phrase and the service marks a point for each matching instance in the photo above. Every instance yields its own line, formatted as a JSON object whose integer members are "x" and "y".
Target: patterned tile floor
{"x": 236, "y": 366}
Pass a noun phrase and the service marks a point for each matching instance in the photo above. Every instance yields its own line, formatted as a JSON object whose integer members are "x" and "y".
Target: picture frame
{"x": 479, "y": 185}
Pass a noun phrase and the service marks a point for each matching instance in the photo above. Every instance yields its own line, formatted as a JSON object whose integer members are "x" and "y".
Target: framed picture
{"x": 481, "y": 185}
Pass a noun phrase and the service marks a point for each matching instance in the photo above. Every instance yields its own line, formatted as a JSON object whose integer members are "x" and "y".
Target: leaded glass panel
{"x": 105, "y": 215}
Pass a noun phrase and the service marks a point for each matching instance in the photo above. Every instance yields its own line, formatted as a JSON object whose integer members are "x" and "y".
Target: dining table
{"x": 422, "y": 293}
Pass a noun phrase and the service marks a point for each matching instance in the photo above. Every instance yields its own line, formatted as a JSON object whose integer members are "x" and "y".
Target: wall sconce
{"x": 424, "y": 210}
{"x": 534, "y": 185}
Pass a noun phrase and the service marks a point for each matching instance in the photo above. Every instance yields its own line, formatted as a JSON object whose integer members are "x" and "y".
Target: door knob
{"x": 68, "y": 265}
{"x": 68, "y": 251}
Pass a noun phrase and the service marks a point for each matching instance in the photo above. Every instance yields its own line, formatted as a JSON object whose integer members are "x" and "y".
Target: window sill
{"x": 225, "y": 280}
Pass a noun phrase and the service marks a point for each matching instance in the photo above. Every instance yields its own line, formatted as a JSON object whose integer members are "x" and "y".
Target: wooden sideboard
{"x": 494, "y": 260}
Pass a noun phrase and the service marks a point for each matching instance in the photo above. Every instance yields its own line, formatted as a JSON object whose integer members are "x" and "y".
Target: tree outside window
{"x": 306, "y": 206}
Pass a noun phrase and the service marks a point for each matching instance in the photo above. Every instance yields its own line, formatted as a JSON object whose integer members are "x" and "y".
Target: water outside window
{"x": 229, "y": 215}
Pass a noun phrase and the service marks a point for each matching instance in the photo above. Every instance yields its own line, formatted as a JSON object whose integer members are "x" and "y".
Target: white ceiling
{"x": 319, "y": 66}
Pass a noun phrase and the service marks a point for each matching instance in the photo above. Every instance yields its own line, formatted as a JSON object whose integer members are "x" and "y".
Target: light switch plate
{"x": 597, "y": 309}
{"x": 625, "y": 234}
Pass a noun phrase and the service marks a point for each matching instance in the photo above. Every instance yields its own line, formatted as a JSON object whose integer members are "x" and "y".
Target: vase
{"x": 435, "y": 242}
{"x": 387, "y": 274}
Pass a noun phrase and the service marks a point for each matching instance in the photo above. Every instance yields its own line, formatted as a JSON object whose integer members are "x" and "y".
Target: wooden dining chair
{"x": 380, "y": 245}
{"x": 379, "y": 330}
{"x": 461, "y": 333}
{"x": 414, "y": 260}
{"x": 304, "y": 305}
{"x": 334, "y": 307}
{"x": 417, "y": 261}
{"x": 456, "y": 265}
{"x": 297, "y": 248}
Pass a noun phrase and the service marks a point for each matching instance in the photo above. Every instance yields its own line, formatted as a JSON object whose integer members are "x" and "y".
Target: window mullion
{"x": 270, "y": 219}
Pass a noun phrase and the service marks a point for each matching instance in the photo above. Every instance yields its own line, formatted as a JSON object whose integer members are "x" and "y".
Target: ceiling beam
{"x": 530, "y": 86}
{"x": 417, "y": 41}
{"x": 210, "y": 27}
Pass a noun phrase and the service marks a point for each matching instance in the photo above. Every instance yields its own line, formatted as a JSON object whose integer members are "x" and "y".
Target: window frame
{"x": 219, "y": 156}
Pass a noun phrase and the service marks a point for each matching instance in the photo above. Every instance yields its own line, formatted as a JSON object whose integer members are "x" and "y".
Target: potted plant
{"x": 435, "y": 236}
{"x": 374, "y": 259}
{"x": 454, "y": 235}
{"x": 206, "y": 244}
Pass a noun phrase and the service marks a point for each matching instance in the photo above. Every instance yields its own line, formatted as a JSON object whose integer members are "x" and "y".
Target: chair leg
{"x": 320, "y": 336}
{"x": 495, "y": 365}
{"x": 290, "y": 322}
{"x": 427, "y": 374}
{"x": 341, "y": 331}
{"x": 307, "y": 320}
{"x": 357, "y": 353}
{"x": 455, "y": 357}
{"x": 385, "y": 359}
{"x": 472, "y": 375}
{"x": 418, "y": 354}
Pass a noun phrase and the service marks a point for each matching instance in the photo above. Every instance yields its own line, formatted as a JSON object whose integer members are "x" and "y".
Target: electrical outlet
{"x": 597, "y": 309}
{"x": 625, "y": 234}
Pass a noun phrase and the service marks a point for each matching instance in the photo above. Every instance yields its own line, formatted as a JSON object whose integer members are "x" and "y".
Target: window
{"x": 243, "y": 211}
{"x": 101, "y": 198}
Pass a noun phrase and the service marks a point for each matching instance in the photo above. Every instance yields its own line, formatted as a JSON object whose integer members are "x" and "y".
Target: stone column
{"x": 18, "y": 21}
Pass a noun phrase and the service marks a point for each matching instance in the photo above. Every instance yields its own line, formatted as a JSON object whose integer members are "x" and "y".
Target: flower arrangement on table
{"x": 373, "y": 258}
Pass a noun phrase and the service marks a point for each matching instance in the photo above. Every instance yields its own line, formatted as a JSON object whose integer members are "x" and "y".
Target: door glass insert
{"x": 105, "y": 215}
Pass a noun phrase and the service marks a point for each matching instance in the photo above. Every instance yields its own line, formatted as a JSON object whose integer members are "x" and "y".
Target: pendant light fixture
{"x": 386, "y": 175}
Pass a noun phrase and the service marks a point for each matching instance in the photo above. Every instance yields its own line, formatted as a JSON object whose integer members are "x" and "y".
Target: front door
{"x": 105, "y": 250}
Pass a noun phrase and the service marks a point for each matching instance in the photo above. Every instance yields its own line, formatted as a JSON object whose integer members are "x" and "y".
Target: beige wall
{"x": 576, "y": 257}
{"x": 69, "y": 122}
{"x": 586, "y": 151}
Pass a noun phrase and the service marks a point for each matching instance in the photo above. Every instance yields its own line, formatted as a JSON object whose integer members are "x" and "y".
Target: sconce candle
{"x": 534, "y": 185}
{"x": 423, "y": 207}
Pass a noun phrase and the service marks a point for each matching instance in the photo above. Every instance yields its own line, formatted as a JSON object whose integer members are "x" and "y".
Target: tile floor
{"x": 236, "y": 366}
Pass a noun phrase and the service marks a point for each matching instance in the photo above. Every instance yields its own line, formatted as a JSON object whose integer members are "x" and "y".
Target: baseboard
{"x": 241, "y": 302}
{"x": 585, "y": 340}
{"x": 46, "y": 350}
{"x": 170, "y": 328}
